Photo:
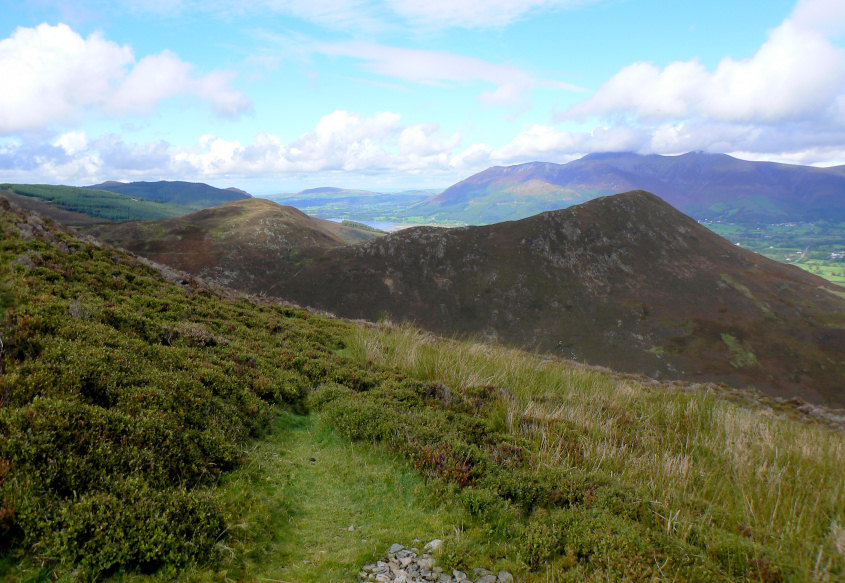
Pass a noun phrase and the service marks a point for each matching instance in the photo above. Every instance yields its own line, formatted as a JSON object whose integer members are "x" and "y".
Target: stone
{"x": 433, "y": 546}
{"x": 406, "y": 566}
{"x": 425, "y": 563}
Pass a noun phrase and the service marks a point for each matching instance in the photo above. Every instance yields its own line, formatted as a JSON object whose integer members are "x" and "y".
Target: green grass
{"x": 154, "y": 430}
{"x": 348, "y": 485}
{"x": 99, "y": 204}
{"x": 701, "y": 461}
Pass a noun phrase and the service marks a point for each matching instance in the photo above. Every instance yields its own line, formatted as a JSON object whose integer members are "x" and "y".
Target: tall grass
{"x": 697, "y": 456}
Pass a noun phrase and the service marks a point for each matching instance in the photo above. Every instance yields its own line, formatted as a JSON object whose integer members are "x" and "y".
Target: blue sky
{"x": 279, "y": 95}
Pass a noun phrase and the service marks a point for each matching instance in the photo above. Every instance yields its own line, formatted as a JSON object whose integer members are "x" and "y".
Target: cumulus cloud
{"x": 798, "y": 73}
{"x": 340, "y": 142}
{"x": 59, "y": 75}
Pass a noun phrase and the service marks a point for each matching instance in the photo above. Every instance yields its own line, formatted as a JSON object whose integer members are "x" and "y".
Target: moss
{"x": 742, "y": 357}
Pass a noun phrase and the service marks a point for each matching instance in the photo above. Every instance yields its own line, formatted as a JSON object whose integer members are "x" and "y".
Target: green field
{"x": 99, "y": 204}
{"x": 817, "y": 247}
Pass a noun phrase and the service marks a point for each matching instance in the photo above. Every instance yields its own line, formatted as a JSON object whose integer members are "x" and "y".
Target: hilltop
{"x": 237, "y": 243}
{"x": 702, "y": 185}
{"x": 196, "y": 195}
{"x": 624, "y": 281}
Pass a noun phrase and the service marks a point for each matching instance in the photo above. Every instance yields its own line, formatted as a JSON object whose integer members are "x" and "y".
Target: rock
{"x": 433, "y": 546}
{"x": 351, "y": 527}
{"x": 406, "y": 566}
{"x": 425, "y": 563}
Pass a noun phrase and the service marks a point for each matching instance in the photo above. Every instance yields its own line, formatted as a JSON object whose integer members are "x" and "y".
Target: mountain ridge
{"x": 193, "y": 194}
{"x": 624, "y": 281}
{"x": 231, "y": 242}
{"x": 705, "y": 186}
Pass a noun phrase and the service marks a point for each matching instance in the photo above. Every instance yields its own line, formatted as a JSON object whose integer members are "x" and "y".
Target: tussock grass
{"x": 698, "y": 458}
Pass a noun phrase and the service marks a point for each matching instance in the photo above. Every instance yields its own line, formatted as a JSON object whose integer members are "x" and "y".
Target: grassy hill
{"x": 97, "y": 204}
{"x": 624, "y": 281}
{"x": 234, "y": 242}
{"x": 154, "y": 428}
{"x": 195, "y": 195}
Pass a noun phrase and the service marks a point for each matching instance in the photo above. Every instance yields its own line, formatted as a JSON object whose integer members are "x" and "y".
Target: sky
{"x": 276, "y": 96}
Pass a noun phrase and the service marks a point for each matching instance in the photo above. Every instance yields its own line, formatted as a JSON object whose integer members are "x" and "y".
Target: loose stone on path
{"x": 406, "y": 566}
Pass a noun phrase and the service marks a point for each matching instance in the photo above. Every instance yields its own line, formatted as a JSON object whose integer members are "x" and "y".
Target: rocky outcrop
{"x": 407, "y": 565}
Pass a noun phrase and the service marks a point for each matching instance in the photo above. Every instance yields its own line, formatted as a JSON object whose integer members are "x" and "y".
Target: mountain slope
{"x": 141, "y": 433}
{"x": 193, "y": 194}
{"x": 705, "y": 186}
{"x": 625, "y": 281}
{"x": 72, "y": 205}
{"x": 235, "y": 243}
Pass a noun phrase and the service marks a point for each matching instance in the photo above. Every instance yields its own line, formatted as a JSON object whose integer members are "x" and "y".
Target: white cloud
{"x": 341, "y": 141}
{"x": 824, "y": 16}
{"x": 72, "y": 142}
{"x": 59, "y": 75}
{"x": 439, "y": 67}
{"x": 546, "y": 143}
{"x": 798, "y": 73}
{"x": 474, "y": 13}
{"x": 373, "y": 14}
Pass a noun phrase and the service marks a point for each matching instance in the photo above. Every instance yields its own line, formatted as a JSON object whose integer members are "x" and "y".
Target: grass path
{"x": 303, "y": 491}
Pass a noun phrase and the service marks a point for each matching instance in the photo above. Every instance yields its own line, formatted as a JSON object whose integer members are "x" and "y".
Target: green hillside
{"x": 153, "y": 428}
{"x": 99, "y": 204}
{"x": 196, "y": 195}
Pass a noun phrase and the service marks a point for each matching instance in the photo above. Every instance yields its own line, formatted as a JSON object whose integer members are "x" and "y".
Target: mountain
{"x": 71, "y": 205}
{"x": 624, "y": 281}
{"x": 193, "y": 194}
{"x": 154, "y": 427}
{"x": 332, "y": 202}
{"x": 236, "y": 243}
{"x": 704, "y": 186}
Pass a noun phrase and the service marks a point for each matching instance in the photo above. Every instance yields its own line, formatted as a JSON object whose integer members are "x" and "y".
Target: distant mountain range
{"x": 360, "y": 205}
{"x": 118, "y": 201}
{"x": 705, "y": 186}
{"x": 196, "y": 195}
{"x": 624, "y": 281}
